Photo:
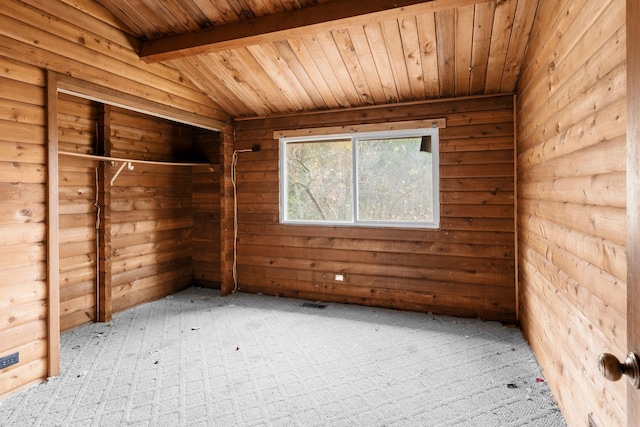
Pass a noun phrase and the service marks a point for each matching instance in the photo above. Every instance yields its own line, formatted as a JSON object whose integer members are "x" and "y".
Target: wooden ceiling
{"x": 270, "y": 57}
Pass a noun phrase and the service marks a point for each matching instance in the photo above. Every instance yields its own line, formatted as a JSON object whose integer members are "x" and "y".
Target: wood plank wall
{"x": 23, "y": 270}
{"x": 151, "y": 220}
{"x": 572, "y": 202}
{"x": 87, "y": 43}
{"x": 76, "y": 196}
{"x": 206, "y": 210}
{"x": 465, "y": 268}
{"x": 151, "y": 210}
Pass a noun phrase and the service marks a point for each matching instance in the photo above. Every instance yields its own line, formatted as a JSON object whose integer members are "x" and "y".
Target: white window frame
{"x": 408, "y": 133}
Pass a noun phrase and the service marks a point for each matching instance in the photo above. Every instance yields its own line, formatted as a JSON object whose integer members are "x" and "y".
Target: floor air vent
{"x": 313, "y": 305}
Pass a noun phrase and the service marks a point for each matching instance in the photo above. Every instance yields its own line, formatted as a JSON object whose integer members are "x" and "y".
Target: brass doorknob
{"x": 612, "y": 369}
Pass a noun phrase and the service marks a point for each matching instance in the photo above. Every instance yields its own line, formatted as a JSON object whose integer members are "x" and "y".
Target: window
{"x": 387, "y": 179}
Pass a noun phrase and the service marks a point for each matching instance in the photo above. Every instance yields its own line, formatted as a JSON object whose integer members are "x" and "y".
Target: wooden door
{"x": 633, "y": 197}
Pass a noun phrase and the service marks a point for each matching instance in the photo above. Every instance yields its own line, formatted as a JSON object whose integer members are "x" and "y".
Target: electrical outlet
{"x": 339, "y": 278}
{"x": 9, "y": 360}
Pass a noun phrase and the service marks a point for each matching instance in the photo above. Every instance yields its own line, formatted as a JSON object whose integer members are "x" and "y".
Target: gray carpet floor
{"x": 198, "y": 359}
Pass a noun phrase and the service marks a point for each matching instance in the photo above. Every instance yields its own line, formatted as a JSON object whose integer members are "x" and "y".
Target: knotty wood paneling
{"x": 572, "y": 202}
{"x": 151, "y": 210}
{"x": 206, "y": 210}
{"x": 465, "y": 268}
{"x": 408, "y": 52}
{"x": 23, "y": 274}
{"x": 85, "y": 42}
{"x": 76, "y": 198}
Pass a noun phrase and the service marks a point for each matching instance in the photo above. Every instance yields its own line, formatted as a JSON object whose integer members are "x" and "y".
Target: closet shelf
{"x": 120, "y": 159}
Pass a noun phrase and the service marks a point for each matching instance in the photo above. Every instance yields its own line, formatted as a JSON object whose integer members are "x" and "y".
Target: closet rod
{"x": 120, "y": 159}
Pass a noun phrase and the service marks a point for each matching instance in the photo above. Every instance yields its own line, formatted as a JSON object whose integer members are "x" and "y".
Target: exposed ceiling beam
{"x": 323, "y": 17}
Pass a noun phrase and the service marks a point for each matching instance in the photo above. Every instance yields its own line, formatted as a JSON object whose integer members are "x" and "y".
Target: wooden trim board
{"x": 515, "y": 205}
{"x": 633, "y": 199}
{"x": 53, "y": 238}
{"x": 374, "y": 127}
{"x": 105, "y": 95}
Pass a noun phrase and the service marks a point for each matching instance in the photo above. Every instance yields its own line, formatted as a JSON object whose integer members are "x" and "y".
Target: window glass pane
{"x": 319, "y": 181}
{"x": 394, "y": 180}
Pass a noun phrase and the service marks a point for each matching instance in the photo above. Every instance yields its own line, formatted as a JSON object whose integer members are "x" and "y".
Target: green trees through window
{"x": 372, "y": 179}
{"x": 319, "y": 181}
{"x": 394, "y": 180}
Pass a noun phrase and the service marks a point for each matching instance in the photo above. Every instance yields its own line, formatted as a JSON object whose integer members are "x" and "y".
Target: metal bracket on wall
{"x": 127, "y": 164}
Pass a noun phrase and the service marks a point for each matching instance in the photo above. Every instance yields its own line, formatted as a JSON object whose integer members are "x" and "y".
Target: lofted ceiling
{"x": 268, "y": 57}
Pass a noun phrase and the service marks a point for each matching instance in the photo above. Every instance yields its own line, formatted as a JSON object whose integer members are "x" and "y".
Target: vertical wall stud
{"x": 105, "y": 307}
{"x": 516, "y": 253}
{"x": 227, "y": 144}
